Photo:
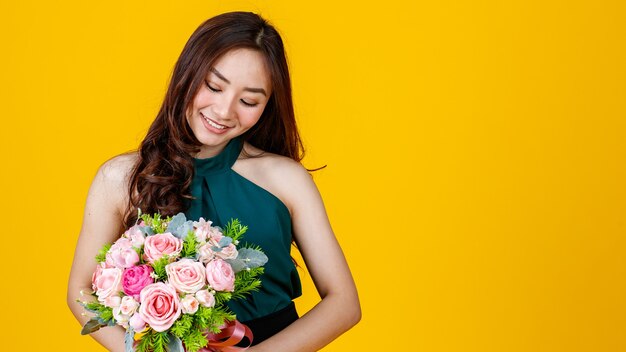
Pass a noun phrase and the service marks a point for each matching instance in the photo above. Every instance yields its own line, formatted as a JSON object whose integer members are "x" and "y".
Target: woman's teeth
{"x": 216, "y": 125}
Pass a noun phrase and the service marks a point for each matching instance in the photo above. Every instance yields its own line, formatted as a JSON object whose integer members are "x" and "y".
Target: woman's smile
{"x": 212, "y": 125}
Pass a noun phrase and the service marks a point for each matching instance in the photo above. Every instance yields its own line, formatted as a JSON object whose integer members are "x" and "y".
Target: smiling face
{"x": 230, "y": 101}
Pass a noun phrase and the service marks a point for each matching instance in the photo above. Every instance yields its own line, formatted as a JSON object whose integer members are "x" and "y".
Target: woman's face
{"x": 230, "y": 101}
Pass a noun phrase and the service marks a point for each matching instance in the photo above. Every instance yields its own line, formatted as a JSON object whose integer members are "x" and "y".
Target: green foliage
{"x": 106, "y": 314}
{"x": 194, "y": 341}
{"x": 222, "y": 297}
{"x": 102, "y": 254}
{"x": 202, "y": 317}
{"x": 182, "y": 326}
{"x": 145, "y": 342}
{"x": 211, "y": 318}
{"x": 235, "y": 230}
{"x": 245, "y": 276}
{"x": 159, "y": 268}
{"x": 94, "y": 306}
{"x": 155, "y": 221}
{"x": 246, "y": 281}
{"x": 103, "y": 313}
{"x": 189, "y": 327}
{"x": 249, "y": 288}
{"x": 189, "y": 245}
{"x": 160, "y": 340}
{"x": 153, "y": 341}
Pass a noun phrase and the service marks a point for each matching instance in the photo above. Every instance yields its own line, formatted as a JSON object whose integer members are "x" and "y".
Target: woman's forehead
{"x": 241, "y": 67}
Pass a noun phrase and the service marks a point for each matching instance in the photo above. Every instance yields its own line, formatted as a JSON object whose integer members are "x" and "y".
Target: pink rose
{"x": 228, "y": 252}
{"x": 205, "y": 298}
{"x": 135, "y": 235}
{"x": 108, "y": 283}
{"x": 122, "y": 313}
{"x": 205, "y": 253}
{"x": 137, "y": 323}
{"x": 136, "y": 278}
{"x": 215, "y": 234}
{"x": 190, "y": 304}
{"x": 96, "y": 275}
{"x": 186, "y": 275}
{"x": 128, "y": 306}
{"x": 160, "y": 306}
{"x": 220, "y": 275}
{"x": 112, "y": 301}
{"x": 120, "y": 319}
{"x": 122, "y": 254}
{"x": 161, "y": 244}
{"x": 202, "y": 229}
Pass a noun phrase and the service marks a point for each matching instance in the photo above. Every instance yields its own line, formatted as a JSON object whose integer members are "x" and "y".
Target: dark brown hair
{"x": 162, "y": 175}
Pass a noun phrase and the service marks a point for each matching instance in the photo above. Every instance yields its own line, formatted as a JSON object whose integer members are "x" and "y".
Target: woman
{"x": 225, "y": 145}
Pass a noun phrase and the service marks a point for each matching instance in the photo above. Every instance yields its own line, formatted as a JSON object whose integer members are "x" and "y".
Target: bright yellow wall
{"x": 475, "y": 149}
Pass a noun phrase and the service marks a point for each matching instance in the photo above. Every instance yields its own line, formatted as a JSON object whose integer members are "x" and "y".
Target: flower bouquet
{"x": 167, "y": 281}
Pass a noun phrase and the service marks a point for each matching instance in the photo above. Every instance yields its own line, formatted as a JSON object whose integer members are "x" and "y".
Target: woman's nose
{"x": 223, "y": 108}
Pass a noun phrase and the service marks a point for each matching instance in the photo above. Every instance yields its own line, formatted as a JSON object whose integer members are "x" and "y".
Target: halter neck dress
{"x": 221, "y": 194}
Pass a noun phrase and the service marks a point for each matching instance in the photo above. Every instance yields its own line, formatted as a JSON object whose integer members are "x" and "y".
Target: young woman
{"x": 225, "y": 145}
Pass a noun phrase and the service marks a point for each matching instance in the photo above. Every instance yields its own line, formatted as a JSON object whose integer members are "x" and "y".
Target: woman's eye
{"x": 211, "y": 87}
{"x": 248, "y": 103}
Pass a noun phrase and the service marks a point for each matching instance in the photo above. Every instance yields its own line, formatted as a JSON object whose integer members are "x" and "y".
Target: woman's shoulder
{"x": 108, "y": 192}
{"x": 270, "y": 164}
{"x": 280, "y": 175}
{"x": 117, "y": 170}
{"x": 113, "y": 178}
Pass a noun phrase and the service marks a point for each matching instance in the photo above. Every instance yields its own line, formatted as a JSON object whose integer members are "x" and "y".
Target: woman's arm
{"x": 102, "y": 223}
{"x": 339, "y": 308}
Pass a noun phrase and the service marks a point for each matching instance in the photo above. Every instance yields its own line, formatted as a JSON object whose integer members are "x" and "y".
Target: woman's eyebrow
{"x": 253, "y": 90}
{"x": 219, "y": 75}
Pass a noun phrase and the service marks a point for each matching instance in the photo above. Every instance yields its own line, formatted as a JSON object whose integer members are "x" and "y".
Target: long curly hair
{"x": 162, "y": 175}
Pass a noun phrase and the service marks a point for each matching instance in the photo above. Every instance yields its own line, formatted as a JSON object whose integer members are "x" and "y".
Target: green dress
{"x": 222, "y": 194}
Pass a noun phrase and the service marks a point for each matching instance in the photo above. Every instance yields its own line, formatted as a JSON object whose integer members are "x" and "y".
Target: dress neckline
{"x": 224, "y": 160}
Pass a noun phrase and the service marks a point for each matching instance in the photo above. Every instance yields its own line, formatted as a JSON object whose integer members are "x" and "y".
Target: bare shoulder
{"x": 280, "y": 175}
{"x": 272, "y": 165}
{"x": 112, "y": 180}
{"x": 118, "y": 169}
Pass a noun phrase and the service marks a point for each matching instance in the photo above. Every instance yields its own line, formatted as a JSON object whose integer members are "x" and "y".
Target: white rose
{"x": 129, "y": 305}
{"x": 189, "y": 304}
{"x": 205, "y": 298}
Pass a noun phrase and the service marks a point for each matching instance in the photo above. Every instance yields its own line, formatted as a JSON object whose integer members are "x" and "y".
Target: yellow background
{"x": 475, "y": 150}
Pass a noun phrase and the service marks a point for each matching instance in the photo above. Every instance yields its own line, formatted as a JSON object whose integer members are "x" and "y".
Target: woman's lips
{"x": 213, "y": 126}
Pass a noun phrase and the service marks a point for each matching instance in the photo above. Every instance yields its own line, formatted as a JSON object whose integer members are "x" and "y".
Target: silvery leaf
{"x": 147, "y": 230}
{"x": 183, "y": 230}
{"x": 129, "y": 339}
{"x": 237, "y": 264}
{"x": 174, "y": 344}
{"x": 225, "y": 241}
{"x": 216, "y": 249}
{"x": 176, "y": 221}
{"x": 186, "y": 228}
{"x": 174, "y": 226}
{"x": 252, "y": 257}
{"x": 92, "y": 325}
{"x": 247, "y": 258}
{"x": 104, "y": 323}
